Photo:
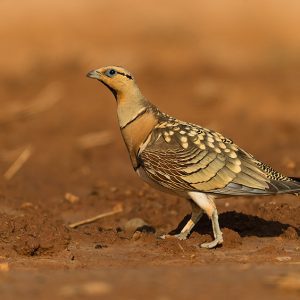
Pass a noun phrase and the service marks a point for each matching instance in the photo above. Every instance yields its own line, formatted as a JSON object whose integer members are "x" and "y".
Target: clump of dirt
{"x": 290, "y": 233}
{"x": 32, "y": 233}
{"x": 231, "y": 238}
{"x": 144, "y": 237}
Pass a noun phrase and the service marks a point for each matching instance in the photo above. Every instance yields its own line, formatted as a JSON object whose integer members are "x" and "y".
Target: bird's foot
{"x": 180, "y": 236}
{"x": 217, "y": 241}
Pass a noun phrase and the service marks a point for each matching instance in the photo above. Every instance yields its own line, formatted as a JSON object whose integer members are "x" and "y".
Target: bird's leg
{"x": 206, "y": 202}
{"x": 197, "y": 213}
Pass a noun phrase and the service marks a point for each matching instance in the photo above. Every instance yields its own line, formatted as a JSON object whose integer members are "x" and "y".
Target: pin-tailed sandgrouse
{"x": 186, "y": 159}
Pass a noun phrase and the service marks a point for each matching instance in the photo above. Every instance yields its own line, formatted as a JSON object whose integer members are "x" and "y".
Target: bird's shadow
{"x": 245, "y": 225}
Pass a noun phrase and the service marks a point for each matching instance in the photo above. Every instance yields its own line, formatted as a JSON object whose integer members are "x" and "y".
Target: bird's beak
{"x": 94, "y": 74}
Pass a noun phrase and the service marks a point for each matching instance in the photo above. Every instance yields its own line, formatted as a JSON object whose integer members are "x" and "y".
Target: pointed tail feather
{"x": 297, "y": 179}
{"x": 286, "y": 187}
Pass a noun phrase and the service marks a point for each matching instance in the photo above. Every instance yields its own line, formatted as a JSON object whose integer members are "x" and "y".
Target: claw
{"x": 164, "y": 236}
{"x": 180, "y": 236}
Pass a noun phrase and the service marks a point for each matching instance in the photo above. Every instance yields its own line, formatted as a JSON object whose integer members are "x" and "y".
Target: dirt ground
{"x": 231, "y": 67}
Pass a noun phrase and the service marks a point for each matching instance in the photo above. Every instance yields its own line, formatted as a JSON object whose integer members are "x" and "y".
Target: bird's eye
{"x": 110, "y": 73}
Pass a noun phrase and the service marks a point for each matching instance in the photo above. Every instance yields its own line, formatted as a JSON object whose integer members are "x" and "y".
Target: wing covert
{"x": 182, "y": 156}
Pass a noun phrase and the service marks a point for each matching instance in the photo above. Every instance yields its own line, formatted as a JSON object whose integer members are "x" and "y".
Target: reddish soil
{"x": 232, "y": 68}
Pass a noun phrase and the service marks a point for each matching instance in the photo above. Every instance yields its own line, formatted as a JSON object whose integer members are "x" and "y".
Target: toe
{"x": 181, "y": 236}
{"x": 164, "y": 236}
{"x": 212, "y": 244}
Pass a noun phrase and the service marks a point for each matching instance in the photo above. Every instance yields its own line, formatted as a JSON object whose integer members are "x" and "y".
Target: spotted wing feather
{"x": 182, "y": 156}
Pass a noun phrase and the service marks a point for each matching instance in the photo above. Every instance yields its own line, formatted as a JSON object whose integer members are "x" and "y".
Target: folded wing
{"x": 185, "y": 157}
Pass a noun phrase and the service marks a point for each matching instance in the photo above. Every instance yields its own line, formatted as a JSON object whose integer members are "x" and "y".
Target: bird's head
{"x": 117, "y": 79}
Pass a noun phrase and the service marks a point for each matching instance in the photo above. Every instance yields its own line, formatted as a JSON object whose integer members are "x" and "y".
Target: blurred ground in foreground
{"x": 233, "y": 67}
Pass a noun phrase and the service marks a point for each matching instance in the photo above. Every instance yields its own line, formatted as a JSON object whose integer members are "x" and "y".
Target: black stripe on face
{"x": 110, "y": 88}
{"x": 126, "y": 75}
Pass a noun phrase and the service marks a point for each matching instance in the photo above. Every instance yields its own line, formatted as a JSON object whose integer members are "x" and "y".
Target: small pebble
{"x": 133, "y": 224}
{"x": 113, "y": 189}
{"x": 71, "y": 198}
{"x": 137, "y": 235}
{"x": 138, "y": 225}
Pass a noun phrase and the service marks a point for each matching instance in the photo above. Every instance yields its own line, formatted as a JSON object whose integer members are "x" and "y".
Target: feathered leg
{"x": 206, "y": 202}
{"x": 197, "y": 213}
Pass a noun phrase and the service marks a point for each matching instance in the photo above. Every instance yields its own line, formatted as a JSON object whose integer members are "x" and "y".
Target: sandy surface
{"x": 233, "y": 68}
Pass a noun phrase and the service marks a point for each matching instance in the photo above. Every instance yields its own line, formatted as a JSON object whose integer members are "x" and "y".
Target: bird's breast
{"x": 136, "y": 133}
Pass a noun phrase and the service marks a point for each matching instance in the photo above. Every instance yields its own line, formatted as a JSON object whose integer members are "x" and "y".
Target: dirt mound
{"x": 32, "y": 233}
{"x": 232, "y": 239}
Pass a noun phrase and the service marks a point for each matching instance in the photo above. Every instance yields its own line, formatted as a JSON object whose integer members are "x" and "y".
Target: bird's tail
{"x": 297, "y": 179}
{"x": 286, "y": 187}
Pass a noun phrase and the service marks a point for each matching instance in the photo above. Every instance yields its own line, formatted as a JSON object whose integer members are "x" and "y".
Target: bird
{"x": 186, "y": 159}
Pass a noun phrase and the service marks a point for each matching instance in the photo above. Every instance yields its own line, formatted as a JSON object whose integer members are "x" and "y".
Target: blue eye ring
{"x": 110, "y": 72}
